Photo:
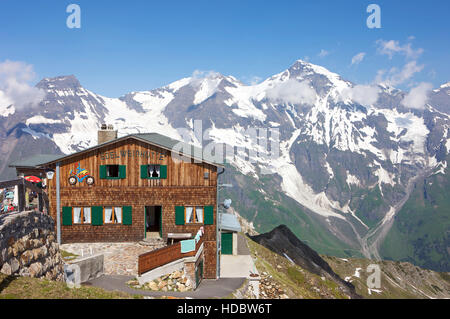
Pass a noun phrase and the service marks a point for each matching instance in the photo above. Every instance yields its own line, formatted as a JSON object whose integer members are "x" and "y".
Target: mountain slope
{"x": 399, "y": 280}
{"x": 347, "y": 161}
{"x": 283, "y": 242}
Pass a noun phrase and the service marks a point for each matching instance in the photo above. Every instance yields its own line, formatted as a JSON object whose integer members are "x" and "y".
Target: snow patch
{"x": 35, "y": 134}
{"x": 351, "y": 179}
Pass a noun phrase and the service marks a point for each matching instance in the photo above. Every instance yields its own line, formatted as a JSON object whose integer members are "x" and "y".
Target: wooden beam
{"x": 41, "y": 202}
{"x": 21, "y": 190}
{"x": 11, "y": 183}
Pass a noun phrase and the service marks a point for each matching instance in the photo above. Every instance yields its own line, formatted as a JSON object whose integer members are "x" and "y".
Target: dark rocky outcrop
{"x": 283, "y": 242}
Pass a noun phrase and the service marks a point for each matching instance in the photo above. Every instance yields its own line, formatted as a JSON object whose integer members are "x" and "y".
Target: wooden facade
{"x": 183, "y": 184}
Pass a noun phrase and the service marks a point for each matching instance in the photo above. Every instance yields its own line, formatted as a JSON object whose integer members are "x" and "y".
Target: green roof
{"x": 35, "y": 160}
{"x": 152, "y": 138}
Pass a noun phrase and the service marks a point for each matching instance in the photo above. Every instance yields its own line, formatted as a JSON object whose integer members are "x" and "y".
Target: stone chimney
{"x": 106, "y": 133}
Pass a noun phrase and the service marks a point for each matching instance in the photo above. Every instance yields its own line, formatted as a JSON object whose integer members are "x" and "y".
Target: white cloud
{"x": 392, "y": 47}
{"x": 14, "y": 87}
{"x": 358, "y": 58}
{"x": 323, "y": 53}
{"x": 255, "y": 80}
{"x": 292, "y": 91}
{"x": 198, "y": 76}
{"x": 418, "y": 96}
{"x": 363, "y": 94}
{"x": 396, "y": 77}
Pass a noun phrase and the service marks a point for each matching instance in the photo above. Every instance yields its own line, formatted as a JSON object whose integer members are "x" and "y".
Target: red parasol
{"x": 33, "y": 179}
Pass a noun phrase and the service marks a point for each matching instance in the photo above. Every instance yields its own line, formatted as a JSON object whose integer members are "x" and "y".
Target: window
{"x": 112, "y": 170}
{"x": 81, "y": 215}
{"x": 154, "y": 171}
{"x": 194, "y": 215}
{"x": 113, "y": 215}
{"x": 198, "y": 215}
{"x": 86, "y": 215}
{"x": 77, "y": 215}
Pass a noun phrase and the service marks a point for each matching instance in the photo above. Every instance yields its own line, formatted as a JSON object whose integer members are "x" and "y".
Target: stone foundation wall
{"x": 28, "y": 246}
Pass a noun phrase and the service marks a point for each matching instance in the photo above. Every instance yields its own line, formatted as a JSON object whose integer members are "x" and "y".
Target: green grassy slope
{"x": 34, "y": 288}
{"x": 399, "y": 280}
{"x": 421, "y": 231}
{"x": 271, "y": 208}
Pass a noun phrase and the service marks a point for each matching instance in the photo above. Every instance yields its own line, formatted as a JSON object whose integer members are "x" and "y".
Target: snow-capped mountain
{"x": 349, "y": 155}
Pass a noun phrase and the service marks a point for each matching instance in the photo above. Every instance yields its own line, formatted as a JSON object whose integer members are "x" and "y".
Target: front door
{"x": 153, "y": 221}
{"x": 227, "y": 244}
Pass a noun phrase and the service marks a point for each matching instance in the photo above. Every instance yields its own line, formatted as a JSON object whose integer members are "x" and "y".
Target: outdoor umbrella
{"x": 33, "y": 179}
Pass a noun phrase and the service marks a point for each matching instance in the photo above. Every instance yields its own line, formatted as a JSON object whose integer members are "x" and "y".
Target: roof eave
{"x": 123, "y": 138}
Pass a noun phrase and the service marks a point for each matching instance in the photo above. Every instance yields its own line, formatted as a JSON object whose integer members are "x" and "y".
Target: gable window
{"x": 154, "y": 171}
{"x": 112, "y": 170}
{"x": 81, "y": 215}
{"x": 113, "y": 215}
{"x": 193, "y": 215}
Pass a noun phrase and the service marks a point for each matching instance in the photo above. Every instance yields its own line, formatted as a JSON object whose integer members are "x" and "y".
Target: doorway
{"x": 227, "y": 243}
{"x": 153, "y": 221}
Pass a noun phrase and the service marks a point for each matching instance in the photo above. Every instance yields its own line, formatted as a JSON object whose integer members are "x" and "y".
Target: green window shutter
{"x": 209, "y": 215}
{"x": 144, "y": 171}
{"x": 163, "y": 171}
{"x": 97, "y": 215}
{"x": 67, "y": 216}
{"x": 126, "y": 215}
{"x": 122, "y": 171}
{"x": 179, "y": 215}
{"x": 102, "y": 171}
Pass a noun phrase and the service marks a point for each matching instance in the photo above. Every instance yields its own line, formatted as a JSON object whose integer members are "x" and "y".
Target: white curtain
{"x": 189, "y": 211}
{"x": 118, "y": 214}
{"x": 199, "y": 214}
{"x": 77, "y": 215}
{"x": 108, "y": 215}
{"x": 87, "y": 215}
{"x": 152, "y": 168}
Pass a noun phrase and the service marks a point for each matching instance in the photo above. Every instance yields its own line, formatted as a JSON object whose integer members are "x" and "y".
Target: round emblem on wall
{"x": 72, "y": 180}
{"x": 90, "y": 180}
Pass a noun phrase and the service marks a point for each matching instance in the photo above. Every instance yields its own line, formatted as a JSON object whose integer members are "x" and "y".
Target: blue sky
{"x": 125, "y": 46}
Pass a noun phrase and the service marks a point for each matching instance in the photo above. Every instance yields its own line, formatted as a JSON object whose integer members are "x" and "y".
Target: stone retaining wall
{"x": 28, "y": 246}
